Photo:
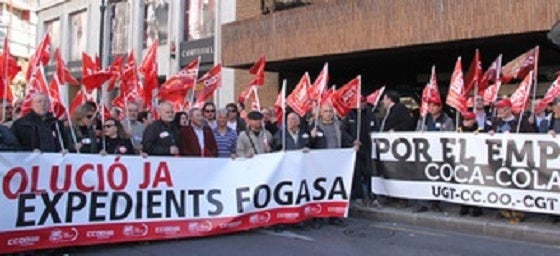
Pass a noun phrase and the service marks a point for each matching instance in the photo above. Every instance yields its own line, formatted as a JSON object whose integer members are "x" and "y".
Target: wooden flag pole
{"x": 358, "y": 104}
{"x": 284, "y": 85}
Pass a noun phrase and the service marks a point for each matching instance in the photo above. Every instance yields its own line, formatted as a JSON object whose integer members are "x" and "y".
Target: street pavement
{"x": 358, "y": 236}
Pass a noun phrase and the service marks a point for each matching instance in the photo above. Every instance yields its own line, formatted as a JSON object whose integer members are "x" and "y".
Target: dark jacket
{"x": 118, "y": 146}
{"x": 84, "y": 135}
{"x": 158, "y": 138}
{"x": 36, "y": 132}
{"x": 189, "y": 146}
{"x": 8, "y": 141}
{"x": 303, "y": 139}
{"x": 349, "y": 128}
{"x": 399, "y": 118}
{"x": 500, "y": 126}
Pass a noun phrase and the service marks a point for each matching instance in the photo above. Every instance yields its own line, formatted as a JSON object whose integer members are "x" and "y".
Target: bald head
{"x": 40, "y": 104}
{"x": 166, "y": 112}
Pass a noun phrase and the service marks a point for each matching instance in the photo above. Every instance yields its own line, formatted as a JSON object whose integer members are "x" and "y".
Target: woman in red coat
{"x": 196, "y": 139}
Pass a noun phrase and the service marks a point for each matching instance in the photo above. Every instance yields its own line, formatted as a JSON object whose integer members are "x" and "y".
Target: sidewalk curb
{"x": 543, "y": 233}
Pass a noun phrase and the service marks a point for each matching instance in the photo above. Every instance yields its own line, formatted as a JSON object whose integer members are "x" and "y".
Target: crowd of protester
{"x": 231, "y": 132}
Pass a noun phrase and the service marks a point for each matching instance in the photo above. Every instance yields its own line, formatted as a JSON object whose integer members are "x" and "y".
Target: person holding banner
{"x": 255, "y": 140}
{"x": 39, "y": 130}
{"x": 554, "y": 120}
{"x": 86, "y": 140}
{"x": 326, "y": 130}
{"x": 197, "y": 139}
{"x": 209, "y": 109}
{"x": 226, "y": 138}
{"x": 482, "y": 118}
{"x": 470, "y": 125}
{"x": 132, "y": 126}
{"x": 435, "y": 120}
{"x": 296, "y": 137}
{"x": 116, "y": 141}
{"x": 161, "y": 137}
{"x": 397, "y": 116}
{"x": 361, "y": 183}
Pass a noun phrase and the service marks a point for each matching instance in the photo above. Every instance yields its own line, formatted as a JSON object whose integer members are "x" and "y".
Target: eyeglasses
{"x": 232, "y": 110}
{"x": 109, "y": 125}
{"x": 89, "y": 116}
{"x": 209, "y": 110}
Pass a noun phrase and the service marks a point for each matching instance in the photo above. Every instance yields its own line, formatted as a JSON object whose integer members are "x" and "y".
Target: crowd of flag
{"x": 186, "y": 90}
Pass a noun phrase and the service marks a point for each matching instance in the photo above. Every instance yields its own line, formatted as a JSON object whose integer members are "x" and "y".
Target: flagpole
{"x": 258, "y": 101}
{"x": 284, "y": 84}
{"x": 5, "y": 80}
{"x": 498, "y": 84}
{"x": 358, "y": 104}
{"x": 535, "y": 78}
{"x": 522, "y": 109}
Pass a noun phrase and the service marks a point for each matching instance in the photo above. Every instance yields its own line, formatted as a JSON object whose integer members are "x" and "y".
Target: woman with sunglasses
{"x": 116, "y": 141}
{"x": 86, "y": 140}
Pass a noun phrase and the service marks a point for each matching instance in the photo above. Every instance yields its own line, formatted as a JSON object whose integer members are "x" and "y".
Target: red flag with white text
{"x": 519, "y": 67}
{"x": 258, "y": 70}
{"x": 62, "y": 70}
{"x": 520, "y": 97}
{"x": 181, "y": 82}
{"x": 552, "y": 93}
{"x": 298, "y": 100}
{"x": 491, "y": 93}
{"x": 491, "y": 75}
{"x": 456, "y": 95}
{"x": 347, "y": 97}
{"x": 208, "y": 84}
{"x": 41, "y": 56}
{"x": 430, "y": 91}
{"x": 320, "y": 85}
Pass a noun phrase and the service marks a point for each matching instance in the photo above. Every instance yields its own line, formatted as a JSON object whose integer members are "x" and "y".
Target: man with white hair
{"x": 161, "y": 137}
{"x": 38, "y": 130}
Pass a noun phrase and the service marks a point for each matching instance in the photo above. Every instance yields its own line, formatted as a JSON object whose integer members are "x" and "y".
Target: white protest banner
{"x": 512, "y": 171}
{"x": 50, "y": 200}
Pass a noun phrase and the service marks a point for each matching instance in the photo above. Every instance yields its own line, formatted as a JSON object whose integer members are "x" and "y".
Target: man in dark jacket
{"x": 161, "y": 137}
{"x": 38, "y": 130}
{"x": 296, "y": 137}
{"x": 363, "y": 170}
{"x": 197, "y": 139}
{"x": 397, "y": 117}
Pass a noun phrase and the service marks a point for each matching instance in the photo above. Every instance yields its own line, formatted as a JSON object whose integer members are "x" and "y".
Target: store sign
{"x": 189, "y": 50}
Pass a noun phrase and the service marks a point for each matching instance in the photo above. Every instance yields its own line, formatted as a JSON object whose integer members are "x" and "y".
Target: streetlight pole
{"x": 102, "y": 31}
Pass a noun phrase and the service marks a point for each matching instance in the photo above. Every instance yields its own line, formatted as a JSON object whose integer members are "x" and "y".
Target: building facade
{"x": 388, "y": 42}
{"x": 184, "y": 30}
{"x": 18, "y": 23}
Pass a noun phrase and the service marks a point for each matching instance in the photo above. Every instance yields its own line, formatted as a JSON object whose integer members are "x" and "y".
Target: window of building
{"x": 200, "y": 18}
{"x": 78, "y": 26}
{"x": 155, "y": 21}
{"x": 119, "y": 28}
{"x": 53, "y": 28}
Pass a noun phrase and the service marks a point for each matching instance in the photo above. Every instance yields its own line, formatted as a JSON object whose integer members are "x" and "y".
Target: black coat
{"x": 349, "y": 128}
{"x": 36, "y": 132}
{"x": 118, "y": 146}
{"x": 398, "y": 119}
{"x": 302, "y": 140}
{"x": 158, "y": 138}
{"x": 8, "y": 141}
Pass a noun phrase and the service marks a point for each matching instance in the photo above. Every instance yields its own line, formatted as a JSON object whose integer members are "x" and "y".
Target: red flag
{"x": 88, "y": 65}
{"x": 10, "y": 66}
{"x": 208, "y": 84}
{"x": 491, "y": 75}
{"x": 520, "y": 66}
{"x": 552, "y": 93}
{"x": 96, "y": 80}
{"x": 320, "y": 85}
{"x": 5, "y": 76}
{"x": 62, "y": 71}
{"x": 491, "y": 93}
{"x": 430, "y": 91}
{"x": 374, "y": 97}
{"x": 474, "y": 74}
{"x": 298, "y": 100}
{"x": 41, "y": 56}
{"x": 244, "y": 95}
{"x": 326, "y": 98}
{"x": 346, "y": 98}
{"x": 456, "y": 95}
{"x": 181, "y": 82}
{"x": 258, "y": 70}
{"x": 116, "y": 69}
{"x": 149, "y": 63}
{"x": 78, "y": 100}
{"x": 57, "y": 108}
{"x": 520, "y": 97}
{"x": 38, "y": 81}
{"x": 278, "y": 107}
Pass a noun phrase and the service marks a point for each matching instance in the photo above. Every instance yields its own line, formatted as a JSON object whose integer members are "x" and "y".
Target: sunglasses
{"x": 232, "y": 110}
{"x": 209, "y": 110}
{"x": 89, "y": 116}
{"x": 109, "y": 125}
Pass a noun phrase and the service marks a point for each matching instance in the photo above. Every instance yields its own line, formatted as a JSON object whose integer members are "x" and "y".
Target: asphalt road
{"x": 356, "y": 237}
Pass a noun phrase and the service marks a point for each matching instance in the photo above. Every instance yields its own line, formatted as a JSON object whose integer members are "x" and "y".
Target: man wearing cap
{"x": 254, "y": 140}
{"x": 507, "y": 122}
{"x": 436, "y": 120}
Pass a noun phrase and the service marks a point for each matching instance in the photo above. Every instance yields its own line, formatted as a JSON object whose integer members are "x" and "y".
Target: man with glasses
{"x": 209, "y": 113}
{"x": 234, "y": 121}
